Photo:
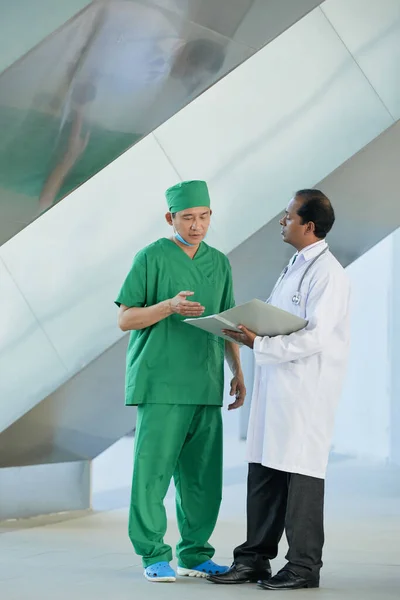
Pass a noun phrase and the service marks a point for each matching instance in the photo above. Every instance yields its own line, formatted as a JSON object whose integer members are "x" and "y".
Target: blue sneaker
{"x": 207, "y": 568}
{"x": 160, "y": 572}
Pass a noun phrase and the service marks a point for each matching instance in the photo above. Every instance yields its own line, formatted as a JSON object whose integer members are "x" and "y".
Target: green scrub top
{"x": 172, "y": 362}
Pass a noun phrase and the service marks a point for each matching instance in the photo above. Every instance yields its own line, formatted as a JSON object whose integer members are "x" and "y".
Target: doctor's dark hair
{"x": 316, "y": 208}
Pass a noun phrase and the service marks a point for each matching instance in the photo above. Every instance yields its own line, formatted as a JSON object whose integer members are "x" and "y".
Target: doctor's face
{"x": 293, "y": 231}
{"x": 192, "y": 224}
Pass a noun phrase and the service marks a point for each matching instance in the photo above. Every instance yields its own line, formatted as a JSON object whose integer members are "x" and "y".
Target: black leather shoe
{"x": 240, "y": 574}
{"x": 288, "y": 580}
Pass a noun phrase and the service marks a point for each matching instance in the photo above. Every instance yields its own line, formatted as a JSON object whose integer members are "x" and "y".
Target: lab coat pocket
{"x": 292, "y": 365}
{"x": 286, "y": 380}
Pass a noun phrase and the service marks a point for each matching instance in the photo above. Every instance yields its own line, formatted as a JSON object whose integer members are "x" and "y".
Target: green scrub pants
{"x": 185, "y": 442}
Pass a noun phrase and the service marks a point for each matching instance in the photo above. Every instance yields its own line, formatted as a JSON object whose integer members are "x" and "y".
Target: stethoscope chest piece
{"x": 296, "y": 298}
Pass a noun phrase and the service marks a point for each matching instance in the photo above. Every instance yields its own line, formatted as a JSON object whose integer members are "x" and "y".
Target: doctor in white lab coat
{"x": 297, "y": 386}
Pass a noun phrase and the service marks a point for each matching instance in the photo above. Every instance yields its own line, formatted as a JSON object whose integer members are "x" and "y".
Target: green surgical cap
{"x": 188, "y": 194}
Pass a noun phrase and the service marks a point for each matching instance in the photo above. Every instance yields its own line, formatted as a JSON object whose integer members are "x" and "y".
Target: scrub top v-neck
{"x": 172, "y": 362}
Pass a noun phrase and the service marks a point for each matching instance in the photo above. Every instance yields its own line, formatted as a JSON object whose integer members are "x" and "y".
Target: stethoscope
{"x": 296, "y": 298}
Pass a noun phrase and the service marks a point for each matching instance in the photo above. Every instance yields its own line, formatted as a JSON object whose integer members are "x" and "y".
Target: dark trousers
{"x": 278, "y": 502}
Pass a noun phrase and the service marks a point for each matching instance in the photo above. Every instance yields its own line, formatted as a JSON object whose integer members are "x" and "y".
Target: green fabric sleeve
{"x": 133, "y": 290}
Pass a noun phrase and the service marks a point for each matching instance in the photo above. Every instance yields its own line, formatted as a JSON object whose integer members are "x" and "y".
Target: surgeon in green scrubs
{"x": 175, "y": 376}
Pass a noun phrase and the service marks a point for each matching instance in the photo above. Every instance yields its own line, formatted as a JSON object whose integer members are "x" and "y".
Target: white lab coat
{"x": 299, "y": 377}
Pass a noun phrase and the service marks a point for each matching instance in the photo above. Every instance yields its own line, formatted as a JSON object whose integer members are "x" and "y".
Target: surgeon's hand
{"x": 238, "y": 389}
{"x": 180, "y": 306}
{"x": 246, "y": 336}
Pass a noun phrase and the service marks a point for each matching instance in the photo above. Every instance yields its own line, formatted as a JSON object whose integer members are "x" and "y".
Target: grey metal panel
{"x": 78, "y": 421}
{"x": 106, "y": 79}
{"x": 101, "y": 83}
{"x": 44, "y": 489}
{"x": 86, "y": 94}
{"x": 267, "y": 19}
{"x": 25, "y": 351}
{"x": 312, "y": 109}
{"x": 223, "y": 16}
{"x": 364, "y": 192}
{"x": 25, "y": 23}
{"x": 250, "y": 22}
{"x": 371, "y": 32}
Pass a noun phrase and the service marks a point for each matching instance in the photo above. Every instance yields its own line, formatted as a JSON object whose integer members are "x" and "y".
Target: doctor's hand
{"x": 180, "y": 306}
{"x": 246, "y": 336}
{"x": 238, "y": 389}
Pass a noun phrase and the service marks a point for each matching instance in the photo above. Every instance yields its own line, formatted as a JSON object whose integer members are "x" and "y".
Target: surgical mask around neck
{"x": 180, "y": 239}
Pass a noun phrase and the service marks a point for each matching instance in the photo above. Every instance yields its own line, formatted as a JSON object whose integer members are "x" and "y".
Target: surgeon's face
{"x": 293, "y": 231}
{"x": 192, "y": 224}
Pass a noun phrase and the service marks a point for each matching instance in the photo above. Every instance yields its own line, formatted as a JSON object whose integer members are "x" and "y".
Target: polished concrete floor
{"x": 88, "y": 556}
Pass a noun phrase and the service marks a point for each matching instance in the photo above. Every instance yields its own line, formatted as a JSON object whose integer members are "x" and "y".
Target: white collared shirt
{"x": 298, "y": 260}
{"x": 309, "y": 252}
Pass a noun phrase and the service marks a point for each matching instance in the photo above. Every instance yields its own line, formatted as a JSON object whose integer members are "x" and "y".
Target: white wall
{"x": 363, "y": 425}
{"x": 395, "y": 353}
